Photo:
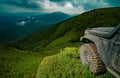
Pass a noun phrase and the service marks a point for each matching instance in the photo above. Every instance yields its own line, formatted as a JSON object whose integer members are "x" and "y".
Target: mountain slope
{"x": 15, "y": 27}
{"x": 46, "y": 19}
{"x": 67, "y": 33}
{"x": 16, "y": 63}
{"x": 54, "y": 17}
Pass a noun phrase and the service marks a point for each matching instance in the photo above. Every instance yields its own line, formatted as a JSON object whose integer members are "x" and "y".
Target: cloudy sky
{"x": 67, "y": 6}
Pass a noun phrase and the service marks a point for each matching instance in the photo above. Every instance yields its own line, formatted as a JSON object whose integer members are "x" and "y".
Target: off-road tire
{"x": 89, "y": 55}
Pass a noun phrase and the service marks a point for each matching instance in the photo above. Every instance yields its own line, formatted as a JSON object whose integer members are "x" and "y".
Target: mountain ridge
{"x": 67, "y": 32}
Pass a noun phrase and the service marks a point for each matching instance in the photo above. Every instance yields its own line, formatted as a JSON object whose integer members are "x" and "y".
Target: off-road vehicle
{"x": 101, "y": 50}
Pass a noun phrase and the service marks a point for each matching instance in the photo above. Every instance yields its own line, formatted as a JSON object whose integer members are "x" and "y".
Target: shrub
{"x": 66, "y": 64}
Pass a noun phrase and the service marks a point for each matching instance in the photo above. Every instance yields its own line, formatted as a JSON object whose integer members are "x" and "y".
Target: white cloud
{"x": 22, "y": 23}
{"x": 69, "y": 5}
{"x": 101, "y": 3}
{"x": 72, "y": 6}
{"x": 49, "y": 6}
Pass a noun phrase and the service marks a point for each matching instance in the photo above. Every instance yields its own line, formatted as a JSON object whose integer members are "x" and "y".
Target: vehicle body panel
{"x": 108, "y": 48}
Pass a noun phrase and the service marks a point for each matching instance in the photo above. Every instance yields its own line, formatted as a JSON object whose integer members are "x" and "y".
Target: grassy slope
{"x": 66, "y": 64}
{"x": 18, "y": 64}
{"x": 22, "y": 64}
{"x": 67, "y": 33}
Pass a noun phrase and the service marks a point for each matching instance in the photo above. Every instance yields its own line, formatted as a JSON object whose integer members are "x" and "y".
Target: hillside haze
{"x": 68, "y": 32}
{"x": 15, "y": 27}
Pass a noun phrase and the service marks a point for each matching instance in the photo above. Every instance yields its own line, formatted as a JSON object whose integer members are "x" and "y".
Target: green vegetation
{"x": 21, "y": 59}
{"x": 15, "y": 63}
{"x": 19, "y": 64}
{"x": 67, "y": 33}
{"x": 66, "y": 64}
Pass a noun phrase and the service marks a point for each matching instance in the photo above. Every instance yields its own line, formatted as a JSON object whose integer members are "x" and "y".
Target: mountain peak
{"x": 58, "y": 12}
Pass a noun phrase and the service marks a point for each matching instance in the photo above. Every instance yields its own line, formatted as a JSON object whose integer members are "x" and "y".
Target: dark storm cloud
{"x": 88, "y": 6}
{"x": 16, "y": 6}
{"x": 23, "y": 3}
{"x": 114, "y": 2}
{"x": 68, "y": 6}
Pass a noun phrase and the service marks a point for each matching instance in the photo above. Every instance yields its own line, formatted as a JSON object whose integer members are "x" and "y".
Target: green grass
{"x": 16, "y": 63}
{"x": 19, "y": 64}
{"x": 66, "y": 64}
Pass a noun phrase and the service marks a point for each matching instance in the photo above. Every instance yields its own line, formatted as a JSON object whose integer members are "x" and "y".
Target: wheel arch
{"x": 86, "y": 40}
{"x": 99, "y": 47}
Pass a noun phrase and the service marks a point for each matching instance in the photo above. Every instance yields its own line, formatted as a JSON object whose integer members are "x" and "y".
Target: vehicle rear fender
{"x": 100, "y": 43}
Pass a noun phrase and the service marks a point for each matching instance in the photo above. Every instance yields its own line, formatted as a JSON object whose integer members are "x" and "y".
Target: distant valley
{"x": 18, "y": 26}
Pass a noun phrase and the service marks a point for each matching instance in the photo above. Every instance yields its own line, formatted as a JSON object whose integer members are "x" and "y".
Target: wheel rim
{"x": 90, "y": 61}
